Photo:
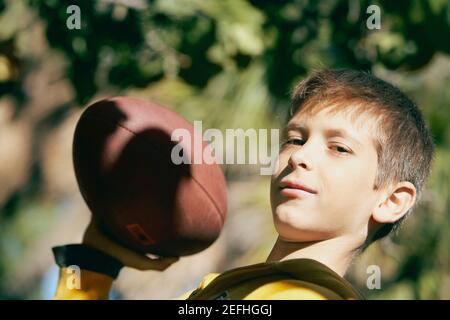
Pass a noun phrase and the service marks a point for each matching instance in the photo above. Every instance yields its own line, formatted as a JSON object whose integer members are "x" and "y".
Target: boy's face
{"x": 335, "y": 158}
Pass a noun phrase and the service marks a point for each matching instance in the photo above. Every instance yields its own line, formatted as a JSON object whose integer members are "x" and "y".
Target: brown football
{"x": 122, "y": 159}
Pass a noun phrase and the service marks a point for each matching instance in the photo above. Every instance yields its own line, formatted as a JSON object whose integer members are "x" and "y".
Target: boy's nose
{"x": 299, "y": 158}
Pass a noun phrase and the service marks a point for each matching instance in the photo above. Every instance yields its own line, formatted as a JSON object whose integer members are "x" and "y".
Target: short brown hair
{"x": 403, "y": 141}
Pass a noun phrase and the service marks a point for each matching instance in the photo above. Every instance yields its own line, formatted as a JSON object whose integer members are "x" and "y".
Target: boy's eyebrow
{"x": 332, "y": 132}
{"x": 341, "y": 133}
{"x": 294, "y": 126}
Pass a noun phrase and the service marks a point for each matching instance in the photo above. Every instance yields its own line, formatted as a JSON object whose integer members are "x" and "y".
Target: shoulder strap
{"x": 307, "y": 270}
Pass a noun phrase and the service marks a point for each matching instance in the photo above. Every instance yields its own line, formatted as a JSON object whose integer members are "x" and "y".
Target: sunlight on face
{"x": 323, "y": 186}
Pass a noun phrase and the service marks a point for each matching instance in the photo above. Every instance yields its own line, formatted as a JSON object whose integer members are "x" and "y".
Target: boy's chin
{"x": 294, "y": 226}
{"x": 289, "y": 219}
{"x": 289, "y": 234}
{"x": 294, "y": 207}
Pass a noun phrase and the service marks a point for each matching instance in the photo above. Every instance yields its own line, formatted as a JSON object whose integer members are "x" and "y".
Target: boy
{"x": 353, "y": 164}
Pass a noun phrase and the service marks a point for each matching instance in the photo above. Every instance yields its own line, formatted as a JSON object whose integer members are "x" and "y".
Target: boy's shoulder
{"x": 301, "y": 279}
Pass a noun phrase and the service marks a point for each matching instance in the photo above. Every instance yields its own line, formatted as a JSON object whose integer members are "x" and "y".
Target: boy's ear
{"x": 396, "y": 203}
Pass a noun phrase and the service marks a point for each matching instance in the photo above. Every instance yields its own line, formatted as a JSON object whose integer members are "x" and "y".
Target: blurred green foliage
{"x": 233, "y": 63}
{"x": 196, "y": 40}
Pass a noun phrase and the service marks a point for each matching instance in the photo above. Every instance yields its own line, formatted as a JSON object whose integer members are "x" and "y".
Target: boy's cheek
{"x": 273, "y": 193}
{"x": 281, "y": 162}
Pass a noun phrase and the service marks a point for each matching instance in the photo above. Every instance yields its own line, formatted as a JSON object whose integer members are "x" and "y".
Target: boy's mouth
{"x": 295, "y": 189}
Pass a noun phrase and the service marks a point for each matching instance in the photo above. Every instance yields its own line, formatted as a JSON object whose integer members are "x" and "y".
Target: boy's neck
{"x": 336, "y": 253}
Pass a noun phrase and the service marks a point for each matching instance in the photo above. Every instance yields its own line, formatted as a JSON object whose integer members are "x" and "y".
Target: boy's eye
{"x": 300, "y": 142}
{"x": 341, "y": 149}
{"x": 295, "y": 141}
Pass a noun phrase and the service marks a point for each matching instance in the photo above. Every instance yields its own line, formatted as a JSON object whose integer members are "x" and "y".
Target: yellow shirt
{"x": 296, "y": 279}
